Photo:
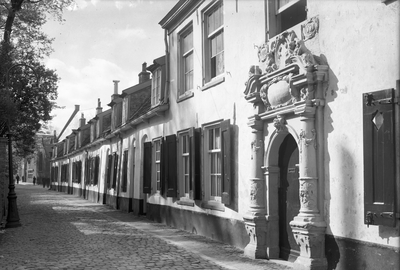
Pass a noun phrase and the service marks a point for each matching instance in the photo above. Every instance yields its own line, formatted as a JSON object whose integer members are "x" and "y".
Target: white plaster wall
{"x": 244, "y": 26}
{"x": 361, "y": 43}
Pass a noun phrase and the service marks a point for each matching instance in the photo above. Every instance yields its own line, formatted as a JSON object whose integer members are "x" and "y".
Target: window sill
{"x": 185, "y": 201}
{"x": 213, "y": 205}
{"x": 185, "y": 96}
{"x": 215, "y": 81}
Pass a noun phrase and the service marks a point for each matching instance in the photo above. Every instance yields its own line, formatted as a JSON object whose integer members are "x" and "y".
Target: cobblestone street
{"x": 61, "y": 231}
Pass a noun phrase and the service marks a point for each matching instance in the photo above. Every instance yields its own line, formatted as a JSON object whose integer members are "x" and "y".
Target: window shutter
{"x": 115, "y": 174}
{"x": 79, "y": 171}
{"x": 226, "y": 156}
{"x": 125, "y": 172}
{"x": 163, "y": 166}
{"x": 96, "y": 169}
{"x": 379, "y": 159}
{"x": 194, "y": 170}
{"x": 109, "y": 166}
{"x": 147, "y": 168}
{"x": 171, "y": 165}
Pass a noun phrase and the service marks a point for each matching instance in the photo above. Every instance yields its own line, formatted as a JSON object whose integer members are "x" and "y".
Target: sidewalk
{"x": 61, "y": 231}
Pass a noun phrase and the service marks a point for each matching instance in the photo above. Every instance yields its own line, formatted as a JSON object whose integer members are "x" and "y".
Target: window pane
{"x": 189, "y": 81}
{"x": 188, "y": 42}
{"x": 218, "y": 163}
{"x": 219, "y": 42}
{"x": 217, "y": 138}
{"x": 218, "y": 185}
{"x": 215, "y": 19}
{"x": 212, "y": 167}
{"x": 189, "y": 63}
{"x": 213, "y": 186}
{"x": 213, "y": 46}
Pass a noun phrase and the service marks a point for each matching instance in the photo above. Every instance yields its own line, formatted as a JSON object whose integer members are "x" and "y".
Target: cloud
{"x": 125, "y": 4}
{"x": 83, "y": 86}
{"x": 122, "y": 34}
{"x": 82, "y": 4}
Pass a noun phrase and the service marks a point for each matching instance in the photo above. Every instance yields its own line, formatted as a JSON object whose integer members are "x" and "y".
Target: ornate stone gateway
{"x": 289, "y": 98}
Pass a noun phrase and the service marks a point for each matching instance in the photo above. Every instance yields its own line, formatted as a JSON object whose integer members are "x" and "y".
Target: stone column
{"x": 308, "y": 226}
{"x": 255, "y": 221}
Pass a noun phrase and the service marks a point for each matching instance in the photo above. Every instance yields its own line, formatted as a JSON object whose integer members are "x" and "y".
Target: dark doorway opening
{"x": 289, "y": 202}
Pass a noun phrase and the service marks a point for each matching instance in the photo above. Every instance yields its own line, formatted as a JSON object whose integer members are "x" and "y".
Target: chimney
{"x": 144, "y": 75}
{"x": 99, "y": 109}
{"x": 82, "y": 121}
{"x": 115, "y": 95}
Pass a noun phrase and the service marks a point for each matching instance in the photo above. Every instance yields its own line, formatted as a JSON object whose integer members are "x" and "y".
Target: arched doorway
{"x": 288, "y": 197}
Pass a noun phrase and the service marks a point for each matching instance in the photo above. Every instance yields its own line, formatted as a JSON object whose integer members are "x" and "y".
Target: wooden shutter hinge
{"x": 370, "y": 101}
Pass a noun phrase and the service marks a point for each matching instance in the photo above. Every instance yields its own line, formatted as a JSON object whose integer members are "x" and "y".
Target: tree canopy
{"x": 28, "y": 89}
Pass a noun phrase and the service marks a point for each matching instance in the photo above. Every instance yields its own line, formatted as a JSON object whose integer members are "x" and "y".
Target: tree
{"x": 28, "y": 89}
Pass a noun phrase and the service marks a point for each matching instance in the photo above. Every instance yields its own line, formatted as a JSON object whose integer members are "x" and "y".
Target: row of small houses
{"x": 285, "y": 149}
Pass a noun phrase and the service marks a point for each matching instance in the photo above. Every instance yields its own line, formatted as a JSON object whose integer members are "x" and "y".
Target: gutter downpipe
{"x": 118, "y": 187}
{"x": 166, "y": 64}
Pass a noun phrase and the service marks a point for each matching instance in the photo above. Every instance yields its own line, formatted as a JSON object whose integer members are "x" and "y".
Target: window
{"x": 214, "y": 162}
{"x": 157, "y": 163}
{"x": 284, "y": 14}
{"x": 184, "y": 147}
{"x": 189, "y": 165}
{"x": 156, "y": 87}
{"x": 186, "y": 60}
{"x": 379, "y": 126}
{"x": 217, "y": 162}
{"x": 125, "y": 172}
{"x": 118, "y": 114}
{"x": 214, "y": 42}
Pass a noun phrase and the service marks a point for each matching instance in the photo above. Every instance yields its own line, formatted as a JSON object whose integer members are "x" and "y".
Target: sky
{"x": 101, "y": 41}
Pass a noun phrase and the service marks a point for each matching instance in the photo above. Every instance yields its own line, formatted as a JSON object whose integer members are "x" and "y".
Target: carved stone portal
{"x": 292, "y": 86}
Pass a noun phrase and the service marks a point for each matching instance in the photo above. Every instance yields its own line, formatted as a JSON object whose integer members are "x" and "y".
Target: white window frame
{"x": 216, "y": 150}
{"x": 207, "y": 76}
{"x": 156, "y": 164}
{"x": 183, "y": 55}
{"x": 274, "y": 10}
{"x": 184, "y": 156}
{"x": 156, "y": 87}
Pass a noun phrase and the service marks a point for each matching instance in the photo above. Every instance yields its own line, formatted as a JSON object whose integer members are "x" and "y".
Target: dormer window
{"x": 156, "y": 87}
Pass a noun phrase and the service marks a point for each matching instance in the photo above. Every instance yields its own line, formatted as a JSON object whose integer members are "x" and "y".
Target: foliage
{"x": 28, "y": 89}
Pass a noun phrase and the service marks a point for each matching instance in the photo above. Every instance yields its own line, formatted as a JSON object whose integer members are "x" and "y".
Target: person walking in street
{"x": 17, "y": 177}
{"x": 34, "y": 180}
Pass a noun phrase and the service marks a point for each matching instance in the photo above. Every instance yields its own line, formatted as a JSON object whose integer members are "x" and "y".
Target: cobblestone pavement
{"x": 61, "y": 231}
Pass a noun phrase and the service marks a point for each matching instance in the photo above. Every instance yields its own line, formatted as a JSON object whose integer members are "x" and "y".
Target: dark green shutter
{"x": 125, "y": 172}
{"x": 79, "y": 171}
{"x": 115, "y": 173}
{"x": 226, "y": 156}
{"x": 379, "y": 159}
{"x": 109, "y": 166}
{"x": 171, "y": 165}
{"x": 163, "y": 167}
{"x": 194, "y": 170}
{"x": 147, "y": 168}
{"x": 96, "y": 169}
